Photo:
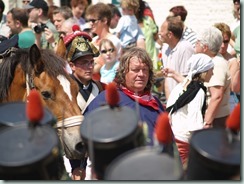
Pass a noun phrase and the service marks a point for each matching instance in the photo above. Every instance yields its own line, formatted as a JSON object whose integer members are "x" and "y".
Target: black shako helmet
{"x": 79, "y": 44}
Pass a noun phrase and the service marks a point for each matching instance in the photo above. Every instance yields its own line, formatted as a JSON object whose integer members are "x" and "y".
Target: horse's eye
{"x": 46, "y": 95}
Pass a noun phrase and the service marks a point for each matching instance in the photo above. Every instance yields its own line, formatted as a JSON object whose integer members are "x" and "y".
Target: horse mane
{"x": 53, "y": 65}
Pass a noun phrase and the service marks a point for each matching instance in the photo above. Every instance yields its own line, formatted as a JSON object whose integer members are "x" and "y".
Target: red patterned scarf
{"x": 145, "y": 99}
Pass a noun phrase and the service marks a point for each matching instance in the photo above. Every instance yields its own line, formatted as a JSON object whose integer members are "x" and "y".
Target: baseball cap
{"x": 37, "y": 4}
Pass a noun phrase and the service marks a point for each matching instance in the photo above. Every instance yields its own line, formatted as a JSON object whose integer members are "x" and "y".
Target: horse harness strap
{"x": 29, "y": 83}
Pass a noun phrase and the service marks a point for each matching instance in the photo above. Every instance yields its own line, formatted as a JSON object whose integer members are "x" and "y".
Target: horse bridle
{"x": 29, "y": 83}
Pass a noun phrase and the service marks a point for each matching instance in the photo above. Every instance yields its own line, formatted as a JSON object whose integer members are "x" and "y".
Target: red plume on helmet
{"x": 163, "y": 130}
{"x": 34, "y": 107}
{"x": 112, "y": 95}
{"x": 234, "y": 119}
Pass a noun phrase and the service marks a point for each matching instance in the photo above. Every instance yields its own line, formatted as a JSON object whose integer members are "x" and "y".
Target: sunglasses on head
{"x": 92, "y": 20}
{"x": 105, "y": 51}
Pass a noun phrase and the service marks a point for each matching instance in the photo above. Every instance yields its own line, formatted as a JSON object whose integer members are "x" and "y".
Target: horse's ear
{"x": 61, "y": 49}
{"x": 35, "y": 59}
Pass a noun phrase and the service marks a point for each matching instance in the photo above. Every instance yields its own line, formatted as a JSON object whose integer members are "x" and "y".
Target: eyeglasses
{"x": 226, "y": 41}
{"x": 85, "y": 64}
{"x": 92, "y": 20}
{"x": 109, "y": 50}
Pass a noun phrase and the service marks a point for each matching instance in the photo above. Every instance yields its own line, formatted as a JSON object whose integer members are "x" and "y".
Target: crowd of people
{"x": 103, "y": 44}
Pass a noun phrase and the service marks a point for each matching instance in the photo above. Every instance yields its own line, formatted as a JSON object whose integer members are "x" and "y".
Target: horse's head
{"x": 58, "y": 90}
{"x": 45, "y": 71}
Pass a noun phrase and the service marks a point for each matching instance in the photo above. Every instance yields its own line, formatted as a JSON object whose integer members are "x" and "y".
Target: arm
{"x": 167, "y": 72}
{"x": 140, "y": 39}
{"x": 216, "y": 93}
{"x": 119, "y": 27}
{"x": 234, "y": 68}
{"x": 38, "y": 40}
{"x": 235, "y": 84}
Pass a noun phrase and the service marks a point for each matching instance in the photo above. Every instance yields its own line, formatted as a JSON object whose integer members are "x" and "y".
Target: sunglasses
{"x": 109, "y": 50}
{"x": 226, "y": 41}
{"x": 92, "y": 20}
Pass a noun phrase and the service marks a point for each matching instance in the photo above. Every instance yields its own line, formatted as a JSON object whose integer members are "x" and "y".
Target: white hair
{"x": 212, "y": 37}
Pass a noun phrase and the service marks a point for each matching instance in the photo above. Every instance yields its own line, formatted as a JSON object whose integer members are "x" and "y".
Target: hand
{"x": 49, "y": 35}
{"x": 207, "y": 125}
{"x": 167, "y": 72}
{"x": 78, "y": 174}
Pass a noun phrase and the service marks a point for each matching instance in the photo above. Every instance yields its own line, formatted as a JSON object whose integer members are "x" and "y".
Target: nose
{"x": 80, "y": 148}
{"x": 140, "y": 73}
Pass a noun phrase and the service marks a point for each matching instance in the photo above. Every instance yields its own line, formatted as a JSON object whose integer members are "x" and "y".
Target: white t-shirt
{"x": 188, "y": 118}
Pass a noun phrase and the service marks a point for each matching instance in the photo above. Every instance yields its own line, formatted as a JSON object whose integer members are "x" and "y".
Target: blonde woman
{"x": 109, "y": 54}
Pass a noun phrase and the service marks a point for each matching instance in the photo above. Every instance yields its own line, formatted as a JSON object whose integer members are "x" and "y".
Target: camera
{"x": 40, "y": 28}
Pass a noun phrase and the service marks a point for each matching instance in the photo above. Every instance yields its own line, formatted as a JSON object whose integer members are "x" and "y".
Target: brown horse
{"x": 25, "y": 69}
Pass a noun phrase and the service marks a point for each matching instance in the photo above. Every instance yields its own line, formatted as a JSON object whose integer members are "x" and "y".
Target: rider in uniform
{"x": 80, "y": 56}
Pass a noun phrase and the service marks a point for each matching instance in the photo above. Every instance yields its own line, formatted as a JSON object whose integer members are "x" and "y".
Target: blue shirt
{"x": 128, "y": 29}
{"x": 107, "y": 76}
{"x": 147, "y": 114}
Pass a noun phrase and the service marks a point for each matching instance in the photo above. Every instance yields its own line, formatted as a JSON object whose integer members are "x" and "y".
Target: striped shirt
{"x": 190, "y": 36}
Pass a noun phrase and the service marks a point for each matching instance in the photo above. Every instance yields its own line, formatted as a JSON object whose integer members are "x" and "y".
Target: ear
{"x": 105, "y": 20}
{"x": 35, "y": 59}
{"x": 72, "y": 66}
{"x": 169, "y": 34}
{"x": 40, "y": 12}
{"x": 205, "y": 48}
{"x": 61, "y": 49}
{"x": 18, "y": 23}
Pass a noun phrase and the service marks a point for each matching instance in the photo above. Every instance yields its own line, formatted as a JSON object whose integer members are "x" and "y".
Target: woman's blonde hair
{"x": 130, "y": 4}
{"x": 105, "y": 41}
{"x": 200, "y": 76}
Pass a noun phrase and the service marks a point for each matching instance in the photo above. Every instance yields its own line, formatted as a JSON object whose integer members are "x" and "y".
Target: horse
{"x": 22, "y": 70}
